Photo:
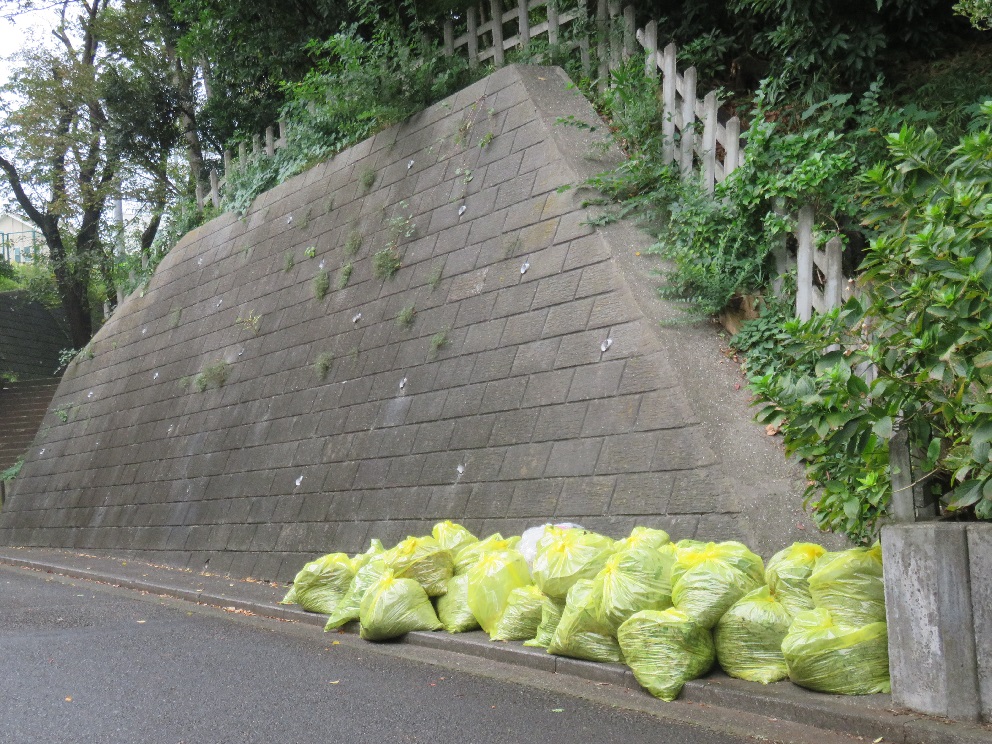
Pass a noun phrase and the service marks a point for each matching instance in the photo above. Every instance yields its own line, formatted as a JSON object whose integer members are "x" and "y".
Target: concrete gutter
{"x": 869, "y": 718}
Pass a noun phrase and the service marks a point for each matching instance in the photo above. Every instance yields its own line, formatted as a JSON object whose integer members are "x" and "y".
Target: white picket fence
{"x": 694, "y": 136}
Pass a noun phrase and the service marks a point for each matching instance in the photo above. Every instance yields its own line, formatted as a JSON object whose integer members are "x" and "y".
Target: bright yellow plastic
{"x": 748, "y": 638}
{"x": 521, "y": 616}
{"x": 849, "y": 585}
{"x": 632, "y": 580}
{"x": 348, "y": 608}
{"x": 732, "y": 553}
{"x": 565, "y": 556}
{"x": 644, "y": 537}
{"x": 453, "y": 610}
{"x": 393, "y": 606}
{"x": 788, "y": 572}
{"x": 708, "y": 589}
{"x": 551, "y": 610}
{"x": 423, "y": 560}
{"x": 490, "y": 582}
{"x": 452, "y": 536}
{"x": 579, "y": 634}
{"x": 470, "y": 553}
{"x": 827, "y": 657}
{"x": 665, "y": 650}
{"x": 320, "y": 584}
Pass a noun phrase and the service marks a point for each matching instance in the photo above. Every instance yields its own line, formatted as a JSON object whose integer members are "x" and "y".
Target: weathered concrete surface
{"x": 498, "y": 406}
{"x": 929, "y": 601}
{"x": 980, "y": 559}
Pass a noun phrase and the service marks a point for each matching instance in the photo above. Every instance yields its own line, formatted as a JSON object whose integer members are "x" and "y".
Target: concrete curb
{"x": 870, "y": 718}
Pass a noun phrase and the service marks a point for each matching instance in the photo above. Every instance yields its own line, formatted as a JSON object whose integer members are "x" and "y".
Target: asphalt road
{"x": 82, "y": 662}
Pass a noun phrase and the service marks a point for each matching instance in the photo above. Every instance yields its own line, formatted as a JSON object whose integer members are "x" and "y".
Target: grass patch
{"x": 323, "y": 364}
{"x": 385, "y": 263}
{"x": 344, "y": 274}
{"x": 288, "y": 262}
{"x": 367, "y": 179}
{"x": 435, "y": 277}
{"x": 321, "y": 283}
{"x": 439, "y": 340}
{"x": 406, "y": 316}
{"x": 353, "y": 243}
{"x": 251, "y": 322}
{"x": 213, "y": 375}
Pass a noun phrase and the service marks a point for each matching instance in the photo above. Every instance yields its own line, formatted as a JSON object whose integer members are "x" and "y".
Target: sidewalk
{"x": 872, "y": 717}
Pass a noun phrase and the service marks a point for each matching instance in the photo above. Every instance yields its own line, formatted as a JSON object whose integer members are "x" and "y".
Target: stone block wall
{"x": 235, "y": 417}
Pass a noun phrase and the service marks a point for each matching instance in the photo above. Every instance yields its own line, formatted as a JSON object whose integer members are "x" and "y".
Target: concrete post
{"x": 980, "y": 559}
{"x": 928, "y": 604}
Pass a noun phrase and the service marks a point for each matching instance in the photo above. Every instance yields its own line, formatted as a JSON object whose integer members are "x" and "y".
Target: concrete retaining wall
{"x": 532, "y": 382}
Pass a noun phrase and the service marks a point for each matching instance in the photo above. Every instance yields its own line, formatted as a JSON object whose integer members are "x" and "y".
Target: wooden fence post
{"x": 833, "y": 286}
{"x": 602, "y": 50}
{"x": 629, "y": 32}
{"x": 615, "y": 39}
{"x": 552, "y": 23}
{"x": 449, "y": 37}
{"x": 669, "y": 100}
{"x": 199, "y": 195}
{"x": 708, "y": 146}
{"x": 804, "y": 264}
{"x": 496, "y": 10}
{"x": 270, "y": 141}
{"x": 228, "y": 162}
{"x": 523, "y": 23}
{"x": 472, "y": 21}
{"x": 582, "y": 19}
{"x": 688, "y": 120}
{"x": 732, "y": 146}
{"x": 214, "y": 188}
{"x": 902, "y": 506}
{"x": 283, "y": 139}
{"x": 650, "y": 43}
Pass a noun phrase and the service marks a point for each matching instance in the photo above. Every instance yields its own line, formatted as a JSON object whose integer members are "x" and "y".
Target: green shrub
{"x": 924, "y": 323}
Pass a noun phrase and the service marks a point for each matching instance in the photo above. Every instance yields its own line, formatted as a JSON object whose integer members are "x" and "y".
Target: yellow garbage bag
{"x": 579, "y": 634}
{"x": 843, "y": 660}
{"x": 565, "y": 556}
{"x": 632, "y": 580}
{"x": 375, "y": 548}
{"x": 665, "y": 650}
{"x": 748, "y": 638}
{"x": 490, "y": 582}
{"x": 551, "y": 610}
{"x": 423, "y": 560}
{"x": 788, "y": 572}
{"x": 708, "y": 589}
{"x": 452, "y": 608}
{"x": 394, "y": 606}
{"x": 470, "y": 553}
{"x": 521, "y": 616}
{"x": 320, "y": 584}
{"x": 732, "y": 553}
{"x": 452, "y": 536}
{"x": 849, "y": 585}
{"x": 348, "y": 608}
{"x": 644, "y": 537}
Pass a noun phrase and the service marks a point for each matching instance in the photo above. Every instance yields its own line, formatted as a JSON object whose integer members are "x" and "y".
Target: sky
{"x": 14, "y": 33}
